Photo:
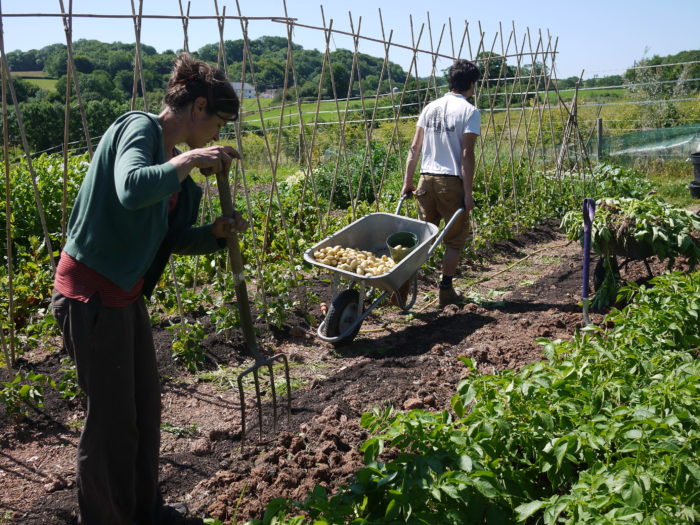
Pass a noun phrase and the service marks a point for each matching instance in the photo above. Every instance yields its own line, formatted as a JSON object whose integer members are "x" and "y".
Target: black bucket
{"x": 694, "y": 188}
{"x": 400, "y": 244}
{"x": 694, "y": 185}
{"x": 695, "y": 161}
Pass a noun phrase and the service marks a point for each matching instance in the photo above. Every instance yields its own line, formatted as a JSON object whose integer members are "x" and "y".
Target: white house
{"x": 248, "y": 89}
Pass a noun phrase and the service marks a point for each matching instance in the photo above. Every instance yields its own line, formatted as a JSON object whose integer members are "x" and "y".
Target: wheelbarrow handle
{"x": 447, "y": 227}
{"x": 234, "y": 252}
{"x": 405, "y": 196}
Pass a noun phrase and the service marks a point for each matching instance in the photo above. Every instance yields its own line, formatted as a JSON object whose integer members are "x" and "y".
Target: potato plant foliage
{"x": 605, "y": 430}
{"x": 636, "y": 228}
{"x": 286, "y": 221}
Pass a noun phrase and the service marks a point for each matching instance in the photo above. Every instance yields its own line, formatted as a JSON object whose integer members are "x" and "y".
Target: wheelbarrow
{"x": 627, "y": 249}
{"x": 347, "y": 310}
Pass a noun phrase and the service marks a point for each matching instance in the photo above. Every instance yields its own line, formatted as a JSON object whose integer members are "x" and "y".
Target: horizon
{"x": 573, "y": 57}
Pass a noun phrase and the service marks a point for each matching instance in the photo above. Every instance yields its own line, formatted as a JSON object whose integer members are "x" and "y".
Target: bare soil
{"x": 519, "y": 290}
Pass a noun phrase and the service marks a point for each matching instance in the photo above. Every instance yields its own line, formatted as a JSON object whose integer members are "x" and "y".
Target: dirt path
{"x": 523, "y": 289}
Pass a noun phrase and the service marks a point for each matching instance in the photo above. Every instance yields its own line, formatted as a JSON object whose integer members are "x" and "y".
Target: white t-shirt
{"x": 444, "y": 122}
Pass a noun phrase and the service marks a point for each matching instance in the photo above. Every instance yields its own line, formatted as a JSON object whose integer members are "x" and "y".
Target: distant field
{"x": 38, "y": 78}
{"x": 30, "y": 74}
{"x": 328, "y": 112}
{"x": 594, "y": 95}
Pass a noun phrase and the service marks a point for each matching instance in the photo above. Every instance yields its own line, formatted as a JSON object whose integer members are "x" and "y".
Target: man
{"x": 446, "y": 133}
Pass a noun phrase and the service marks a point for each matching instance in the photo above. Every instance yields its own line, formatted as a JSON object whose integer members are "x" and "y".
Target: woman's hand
{"x": 225, "y": 226}
{"x": 210, "y": 161}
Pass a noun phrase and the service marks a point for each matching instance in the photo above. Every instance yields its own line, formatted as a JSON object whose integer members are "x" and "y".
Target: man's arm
{"x": 412, "y": 161}
{"x": 468, "y": 166}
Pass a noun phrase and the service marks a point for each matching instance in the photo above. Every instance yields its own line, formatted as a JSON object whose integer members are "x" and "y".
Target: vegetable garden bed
{"x": 398, "y": 361}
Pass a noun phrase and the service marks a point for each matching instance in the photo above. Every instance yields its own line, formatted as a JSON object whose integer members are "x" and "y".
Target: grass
{"x": 46, "y": 84}
{"x": 327, "y": 111}
{"x": 75, "y": 424}
{"x": 37, "y": 78}
{"x": 671, "y": 177}
{"x": 225, "y": 378}
{"x": 29, "y": 74}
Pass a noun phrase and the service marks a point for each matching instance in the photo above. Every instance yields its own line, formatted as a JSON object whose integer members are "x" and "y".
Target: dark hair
{"x": 192, "y": 78}
{"x": 462, "y": 74}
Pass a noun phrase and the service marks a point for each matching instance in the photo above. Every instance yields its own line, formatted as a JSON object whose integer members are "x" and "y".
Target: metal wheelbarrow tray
{"x": 346, "y": 313}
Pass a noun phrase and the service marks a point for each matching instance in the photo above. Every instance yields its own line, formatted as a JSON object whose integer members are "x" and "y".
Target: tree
{"x": 43, "y": 124}
{"x": 341, "y": 78}
{"x": 490, "y": 66}
{"x": 56, "y": 62}
{"x": 23, "y": 61}
{"x": 119, "y": 60}
{"x": 269, "y": 73}
{"x": 124, "y": 81}
{"x": 24, "y": 90}
{"x": 83, "y": 64}
{"x": 97, "y": 85}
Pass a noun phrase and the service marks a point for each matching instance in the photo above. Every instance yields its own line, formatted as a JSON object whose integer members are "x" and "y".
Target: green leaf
{"x": 633, "y": 495}
{"x": 528, "y": 509}
{"x": 465, "y": 463}
{"x": 485, "y": 487}
{"x": 457, "y": 405}
{"x": 392, "y": 509}
{"x": 560, "y": 452}
{"x": 634, "y": 433}
{"x": 693, "y": 469}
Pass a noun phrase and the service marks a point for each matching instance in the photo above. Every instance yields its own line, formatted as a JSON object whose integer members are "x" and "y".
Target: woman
{"x": 136, "y": 206}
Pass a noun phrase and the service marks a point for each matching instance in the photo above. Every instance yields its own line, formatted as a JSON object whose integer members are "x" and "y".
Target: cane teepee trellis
{"x": 520, "y": 127}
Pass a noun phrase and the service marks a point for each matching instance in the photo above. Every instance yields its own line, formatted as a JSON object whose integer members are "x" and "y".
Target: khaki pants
{"x": 439, "y": 197}
{"x": 117, "y": 464}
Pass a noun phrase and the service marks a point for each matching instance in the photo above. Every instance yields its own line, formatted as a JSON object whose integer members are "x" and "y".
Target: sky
{"x": 596, "y": 37}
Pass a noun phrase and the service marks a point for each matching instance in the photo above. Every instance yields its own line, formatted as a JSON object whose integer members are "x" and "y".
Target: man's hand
{"x": 225, "y": 226}
{"x": 408, "y": 190}
{"x": 468, "y": 202}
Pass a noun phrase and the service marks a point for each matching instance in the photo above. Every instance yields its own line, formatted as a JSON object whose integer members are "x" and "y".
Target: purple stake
{"x": 588, "y": 214}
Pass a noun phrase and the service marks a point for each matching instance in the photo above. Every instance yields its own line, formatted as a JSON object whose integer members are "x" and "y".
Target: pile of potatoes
{"x": 360, "y": 262}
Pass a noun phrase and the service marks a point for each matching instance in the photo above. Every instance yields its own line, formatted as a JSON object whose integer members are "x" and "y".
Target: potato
{"x": 362, "y": 262}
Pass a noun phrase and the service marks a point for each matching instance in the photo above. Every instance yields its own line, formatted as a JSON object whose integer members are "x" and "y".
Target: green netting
{"x": 678, "y": 141}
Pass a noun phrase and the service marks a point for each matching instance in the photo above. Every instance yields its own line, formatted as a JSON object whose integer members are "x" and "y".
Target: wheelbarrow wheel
{"x": 342, "y": 314}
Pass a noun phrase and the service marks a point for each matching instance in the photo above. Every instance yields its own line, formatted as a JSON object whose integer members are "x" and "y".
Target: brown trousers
{"x": 117, "y": 463}
{"x": 439, "y": 197}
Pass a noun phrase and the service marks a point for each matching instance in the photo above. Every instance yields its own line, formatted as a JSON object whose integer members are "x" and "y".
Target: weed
{"x": 187, "y": 431}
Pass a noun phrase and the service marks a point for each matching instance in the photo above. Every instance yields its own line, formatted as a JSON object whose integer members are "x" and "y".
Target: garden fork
{"x": 234, "y": 252}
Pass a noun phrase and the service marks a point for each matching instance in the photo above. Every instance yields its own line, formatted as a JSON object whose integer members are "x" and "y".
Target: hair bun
{"x": 187, "y": 79}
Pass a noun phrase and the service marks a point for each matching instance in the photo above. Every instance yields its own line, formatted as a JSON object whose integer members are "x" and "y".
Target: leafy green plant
{"x": 187, "y": 431}
{"x": 68, "y": 386}
{"x": 358, "y": 175}
{"x": 49, "y": 172}
{"x": 25, "y": 390}
{"x": 636, "y": 229}
{"x": 187, "y": 345}
{"x": 605, "y": 430}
